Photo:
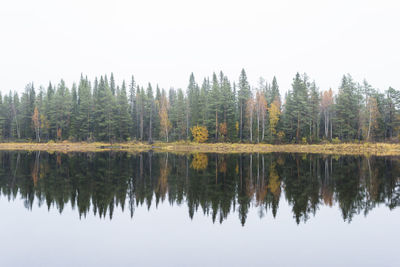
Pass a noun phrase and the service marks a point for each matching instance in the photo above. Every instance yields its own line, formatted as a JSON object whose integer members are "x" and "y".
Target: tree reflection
{"x": 214, "y": 184}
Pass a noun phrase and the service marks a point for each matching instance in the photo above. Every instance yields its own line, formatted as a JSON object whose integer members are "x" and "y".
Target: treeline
{"x": 225, "y": 111}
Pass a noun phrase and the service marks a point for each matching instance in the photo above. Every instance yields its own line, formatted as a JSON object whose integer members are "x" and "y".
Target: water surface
{"x": 159, "y": 209}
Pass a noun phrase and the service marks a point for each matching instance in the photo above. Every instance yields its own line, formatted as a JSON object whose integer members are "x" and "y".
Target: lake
{"x": 163, "y": 209}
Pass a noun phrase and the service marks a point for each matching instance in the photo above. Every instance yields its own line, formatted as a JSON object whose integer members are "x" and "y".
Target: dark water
{"x": 118, "y": 209}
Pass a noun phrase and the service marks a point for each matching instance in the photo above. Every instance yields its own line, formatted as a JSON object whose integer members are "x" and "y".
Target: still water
{"x": 159, "y": 209}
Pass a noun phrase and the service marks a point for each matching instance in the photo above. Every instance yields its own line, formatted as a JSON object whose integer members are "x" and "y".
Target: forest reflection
{"x": 213, "y": 184}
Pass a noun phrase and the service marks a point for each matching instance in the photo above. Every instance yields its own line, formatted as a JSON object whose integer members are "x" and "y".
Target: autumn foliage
{"x": 199, "y": 162}
{"x": 223, "y": 130}
{"x": 274, "y": 113}
{"x": 200, "y": 133}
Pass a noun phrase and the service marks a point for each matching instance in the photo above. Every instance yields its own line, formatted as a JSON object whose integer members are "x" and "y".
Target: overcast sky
{"x": 164, "y": 41}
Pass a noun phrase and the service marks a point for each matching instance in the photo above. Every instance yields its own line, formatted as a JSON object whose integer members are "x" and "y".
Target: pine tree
{"x": 16, "y": 117}
{"x": 243, "y": 96}
{"x": 297, "y": 110}
{"x": 149, "y": 113}
{"x": 84, "y": 120}
{"x": 172, "y": 114}
{"x": 26, "y": 111}
{"x": 123, "y": 117}
{"x": 61, "y": 112}
{"x": 134, "y": 126}
{"x": 204, "y": 102}
{"x": 156, "y": 115}
{"x": 103, "y": 111}
{"x": 112, "y": 84}
{"x": 391, "y": 114}
{"x": 214, "y": 101}
{"x": 193, "y": 92}
{"x": 228, "y": 108}
{"x": 314, "y": 112}
{"x": 180, "y": 116}
{"x": 347, "y": 110}
{"x": 74, "y": 128}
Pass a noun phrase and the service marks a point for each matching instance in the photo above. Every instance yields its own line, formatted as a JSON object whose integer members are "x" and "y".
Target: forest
{"x": 215, "y": 110}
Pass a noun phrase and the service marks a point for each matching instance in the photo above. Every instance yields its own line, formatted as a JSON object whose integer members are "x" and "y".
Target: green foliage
{"x": 106, "y": 111}
{"x": 347, "y": 109}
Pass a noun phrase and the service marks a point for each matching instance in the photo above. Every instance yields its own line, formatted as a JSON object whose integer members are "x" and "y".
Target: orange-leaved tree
{"x": 223, "y": 130}
{"x": 165, "y": 124}
{"x": 36, "y": 123}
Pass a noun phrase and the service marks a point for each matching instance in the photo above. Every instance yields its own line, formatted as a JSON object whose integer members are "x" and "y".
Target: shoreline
{"x": 379, "y": 149}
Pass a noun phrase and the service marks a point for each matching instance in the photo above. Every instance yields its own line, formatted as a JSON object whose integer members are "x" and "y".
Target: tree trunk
{"x": 151, "y": 119}
{"x": 263, "y": 126}
{"x": 187, "y": 123}
{"x": 258, "y": 124}
{"x": 298, "y": 127}
{"x": 216, "y": 125}
{"x": 369, "y": 124}
{"x": 251, "y": 127}
{"x": 241, "y": 122}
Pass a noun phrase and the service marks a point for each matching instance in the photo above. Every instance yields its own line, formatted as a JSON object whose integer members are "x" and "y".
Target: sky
{"x": 162, "y": 42}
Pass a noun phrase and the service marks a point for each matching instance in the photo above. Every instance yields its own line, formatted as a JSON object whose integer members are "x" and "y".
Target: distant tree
{"x": 261, "y": 106}
{"x": 36, "y": 123}
{"x": 274, "y": 113}
{"x": 165, "y": 124}
{"x": 243, "y": 96}
{"x": 250, "y": 105}
{"x": 347, "y": 109}
{"x": 123, "y": 117}
{"x": 215, "y": 107}
{"x": 326, "y": 106}
{"x": 373, "y": 116}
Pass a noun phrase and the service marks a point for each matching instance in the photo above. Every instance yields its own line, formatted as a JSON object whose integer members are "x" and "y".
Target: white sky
{"x": 164, "y": 41}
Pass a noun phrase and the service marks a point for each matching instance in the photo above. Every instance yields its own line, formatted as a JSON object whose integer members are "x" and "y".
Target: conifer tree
{"x": 84, "y": 121}
{"x": 103, "y": 110}
{"x": 74, "y": 129}
{"x": 243, "y": 96}
{"x": 133, "y": 109}
{"x": 123, "y": 116}
{"x": 215, "y": 108}
{"x": 193, "y": 92}
{"x": 347, "y": 110}
{"x": 297, "y": 110}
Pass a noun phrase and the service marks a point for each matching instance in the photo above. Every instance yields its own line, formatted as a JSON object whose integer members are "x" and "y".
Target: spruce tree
{"x": 134, "y": 125}
{"x": 243, "y": 96}
{"x": 347, "y": 110}
{"x": 193, "y": 92}
{"x": 123, "y": 116}
{"x": 215, "y": 109}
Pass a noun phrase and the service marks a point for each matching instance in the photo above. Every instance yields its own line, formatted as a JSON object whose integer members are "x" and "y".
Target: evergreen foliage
{"x": 230, "y": 112}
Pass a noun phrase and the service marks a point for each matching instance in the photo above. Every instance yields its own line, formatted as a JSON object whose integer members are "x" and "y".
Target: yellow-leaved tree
{"x": 200, "y": 133}
{"x": 36, "y": 123}
{"x": 274, "y": 112}
{"x": 165, "y": 124}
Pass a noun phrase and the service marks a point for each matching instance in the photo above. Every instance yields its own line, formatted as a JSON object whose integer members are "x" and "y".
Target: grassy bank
{"x": 187, "y": 147}
{"x": 382, "y": 149}
{"x": 75, "y": 146}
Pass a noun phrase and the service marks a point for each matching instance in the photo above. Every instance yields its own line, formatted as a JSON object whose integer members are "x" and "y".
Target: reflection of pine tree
{"x": 102, "y": 182}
